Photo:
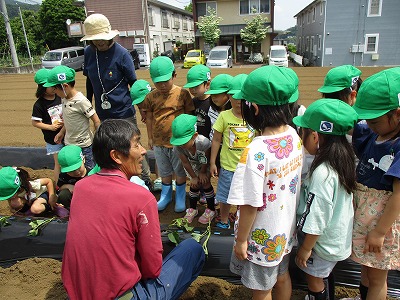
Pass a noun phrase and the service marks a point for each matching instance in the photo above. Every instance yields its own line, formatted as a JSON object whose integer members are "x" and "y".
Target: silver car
{"x": 72, "y": 57}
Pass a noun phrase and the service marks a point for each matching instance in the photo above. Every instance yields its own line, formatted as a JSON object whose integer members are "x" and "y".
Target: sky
{"x": 284, "y": 10}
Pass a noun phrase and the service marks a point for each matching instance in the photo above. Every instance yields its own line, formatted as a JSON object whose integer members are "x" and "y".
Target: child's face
{"x": 50, "y": 91}
{"x": 198, "y": 91}
{"x": 16, "y": 202}
{"x": 78, "y": 172}
{"x": 165, "y": 86}
{"x": 236, "y": 104}
{"x": 310, "y": 141}
{"x": 220, "y": 99}
{"x": 386, "y": 126}
{"x": 190, "y": 143}
{"x": 60, "y": 91}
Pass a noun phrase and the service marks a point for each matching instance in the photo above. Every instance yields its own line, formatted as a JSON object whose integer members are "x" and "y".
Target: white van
{"x": 278, "y": 56}
{"x": 72, "y": 57}
{"x": 220, "y": 57}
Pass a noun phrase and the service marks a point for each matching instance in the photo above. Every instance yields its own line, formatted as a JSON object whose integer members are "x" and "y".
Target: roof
{"x": 170, "y": 7}
{"x": 307, "y": 7}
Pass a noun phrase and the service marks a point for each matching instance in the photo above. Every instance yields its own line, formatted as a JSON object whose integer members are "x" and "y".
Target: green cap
{"x": 197, "y": 75}
{"x": 41, "y": 76}
{"x": 270, "y": 85}
{"x": 139, "y": 90}
{"x": 9, "y": 182}
{"x": 59, "y": 75}
{"x": 220, "y": 84}
{"x": 237, "y": 83}
{"x": 379, "y": 94}
{"x": 328, "y": 116}
{"x": 340, "y": 78}
{"x": 95, "y": 170}
{"x": 70, "y": 158}
{"x": 183, "y": 128}
{"x": 161, "y": 69}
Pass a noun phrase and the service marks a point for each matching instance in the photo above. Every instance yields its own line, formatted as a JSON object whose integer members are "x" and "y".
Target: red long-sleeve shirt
{"x": 113, "y": 237}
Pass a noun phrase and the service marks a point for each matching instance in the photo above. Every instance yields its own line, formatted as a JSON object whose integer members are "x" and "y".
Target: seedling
{"x": 4, "y": 222}
{"x": 37, "y": 226}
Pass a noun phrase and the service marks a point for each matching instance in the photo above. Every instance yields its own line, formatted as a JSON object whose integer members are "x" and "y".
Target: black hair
{"x": 330, "y": 149}
{"x": 71, "y": 84}
{"x": 268, "y": 115}
{"x": 228, "y": 105}
{"x": 113, "y": 134}
{"x": 40, "y": 91}
{"x": 293, "y": 110}
{"x": 344, "y": 94}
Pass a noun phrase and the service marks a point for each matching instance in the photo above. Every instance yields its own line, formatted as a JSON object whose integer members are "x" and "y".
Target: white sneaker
{"x": 157, "y": 184}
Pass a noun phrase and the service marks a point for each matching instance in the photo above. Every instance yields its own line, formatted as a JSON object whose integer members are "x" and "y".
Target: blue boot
{"x": 166, "y": 196}
{"x": 180, "y": 198}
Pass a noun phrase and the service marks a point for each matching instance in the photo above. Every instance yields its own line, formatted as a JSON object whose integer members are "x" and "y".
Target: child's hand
{"x": 203, "y": 178}
{"x": 143, "y": 115}
{"x": 374, "y": 242}
{"x": 194, "y": 182}
{"x": 53, "y": 200}
{"x": 59, "y": 137}
{"x": 240, "y": 250}
{"x": 302, "y": 256}
{"x": 56, "y": 125}
{"x": 213, "y": 170}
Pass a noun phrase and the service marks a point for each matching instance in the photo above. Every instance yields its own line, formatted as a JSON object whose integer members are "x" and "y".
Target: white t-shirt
{"x": 326, "y": 209}
{"x": 268, "y": 177}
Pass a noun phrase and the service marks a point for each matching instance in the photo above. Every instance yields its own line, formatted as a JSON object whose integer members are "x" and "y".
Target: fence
{"x": 296, "y": 58}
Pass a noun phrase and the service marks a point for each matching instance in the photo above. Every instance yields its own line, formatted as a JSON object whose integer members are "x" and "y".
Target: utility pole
{"x": 9, "y": 35}
{"x": 26, "y": 38}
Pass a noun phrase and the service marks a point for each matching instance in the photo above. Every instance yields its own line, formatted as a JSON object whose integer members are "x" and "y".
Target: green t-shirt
{"x": 236, "y": 136}
{"x": 326, "y": 209}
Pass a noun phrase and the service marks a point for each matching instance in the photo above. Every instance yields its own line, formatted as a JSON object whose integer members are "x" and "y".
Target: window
{"x": 308, "y": 17}
{"x": 150, "y": 13}
{"x": 176, "y": 22}
{"x": 299, "y": 46}
{"x": 202, "y": 8}
{"x": 72, "y": 54}
{"x": 374, "y": 8}
{"x": 248, "y": 7}
{"x": 319, "y": 42}
{"x": 307, "y": 43}
{"x": 321, "y": 8}
{"x": 314, "y": 12}
{"x": 371, "y": 43}
{"x": 185, "y": 24}
{"x": 164, "y": 18}
{"x": 313, "y": 51}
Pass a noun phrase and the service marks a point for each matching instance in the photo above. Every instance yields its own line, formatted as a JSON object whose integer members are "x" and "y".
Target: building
{"x": 360, "y": 33}
{"x": 233, "y": 14}
{"x": 150, "y": 22}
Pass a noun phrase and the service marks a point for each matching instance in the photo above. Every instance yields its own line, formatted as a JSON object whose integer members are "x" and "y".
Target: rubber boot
{"x": 180, "y": 198}
{"x": 165, "y": 197}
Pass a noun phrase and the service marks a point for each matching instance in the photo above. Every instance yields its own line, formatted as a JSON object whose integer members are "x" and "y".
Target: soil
{"x": 40, "y": 278}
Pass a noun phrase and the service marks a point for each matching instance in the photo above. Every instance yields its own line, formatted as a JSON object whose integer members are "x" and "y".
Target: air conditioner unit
{"x": 122, "y": 33}
{"x": 131, "y": 33}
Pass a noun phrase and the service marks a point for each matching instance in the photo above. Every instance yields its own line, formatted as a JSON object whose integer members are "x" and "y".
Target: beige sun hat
{"x": 97, "y": 27}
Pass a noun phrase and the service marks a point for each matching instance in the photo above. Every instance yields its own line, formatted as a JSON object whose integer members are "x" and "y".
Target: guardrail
{"x": 298, "y": 59}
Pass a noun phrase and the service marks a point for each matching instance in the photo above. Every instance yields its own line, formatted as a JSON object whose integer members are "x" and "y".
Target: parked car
{"x": 220, "y": 57}
{"x": 278, "y": 56}
{"x": 169, "y": 54}
{"x": 135, "y": 58}
{"x": 72, "y": 57}
{"x": 194, "y": 57}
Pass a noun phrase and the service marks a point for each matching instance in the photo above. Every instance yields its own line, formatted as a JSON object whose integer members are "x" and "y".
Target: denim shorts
{"x": 224, "y": 185}
{"x": 168, "y": 162}
{"x": 88, "y": 154}
{"x": 53, "y": 149}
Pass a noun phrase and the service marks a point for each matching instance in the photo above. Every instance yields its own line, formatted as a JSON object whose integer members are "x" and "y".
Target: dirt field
{"x": 40, "y": 278}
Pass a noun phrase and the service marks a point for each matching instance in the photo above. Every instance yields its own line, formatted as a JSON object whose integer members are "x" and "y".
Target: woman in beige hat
{"x": 110, "y": 68}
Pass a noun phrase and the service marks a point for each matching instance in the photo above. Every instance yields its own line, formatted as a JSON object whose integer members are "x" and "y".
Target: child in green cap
{"x": 162, "y": 106}
{"x": 26, "y": 196}
{"x": 266, "y": 184}
{"x": 342, "y": 83}
{"x": 77, "y": 110}
{"x": 193, "y": 150}
{"x": 47, "y": 116}
{"x": 73, "y": 169}
{"x": 325, "y": 212}
{"x": 376, "y": 229}
{"x": 234, "y": 134}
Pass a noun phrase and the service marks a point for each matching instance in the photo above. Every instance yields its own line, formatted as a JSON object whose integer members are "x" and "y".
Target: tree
{"x": 52, "y": 16}
{"x": 189, "y": 7}
{"x": 254, "y": 32}
{"x": 209, "y": 26}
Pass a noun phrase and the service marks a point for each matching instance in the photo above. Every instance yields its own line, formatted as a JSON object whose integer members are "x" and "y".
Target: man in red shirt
{"x": 113, "y": 246}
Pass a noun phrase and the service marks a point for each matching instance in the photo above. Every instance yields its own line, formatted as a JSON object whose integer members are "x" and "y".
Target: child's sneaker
{"x": 157, "y": 184}
{"x": 190, "y": 214}
{"x": 223, "y": 225}
{"x": 207, "y": 216}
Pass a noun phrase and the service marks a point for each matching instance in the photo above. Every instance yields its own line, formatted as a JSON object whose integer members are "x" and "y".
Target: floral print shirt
{"x": 268, "y": 177}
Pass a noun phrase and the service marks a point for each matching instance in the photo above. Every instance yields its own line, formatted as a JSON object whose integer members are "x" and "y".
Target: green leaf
{"x": 174, "y": 237}
{"x": 197, "y": 236}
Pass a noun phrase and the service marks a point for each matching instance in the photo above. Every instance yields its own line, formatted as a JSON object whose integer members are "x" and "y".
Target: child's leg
{"x": 224, "y": 184}
{"x": 56, "y": 167}
{"x": 224, "y": 211}
{"x": 262, "y": 295}
{"x": 377, "y": 283}
{"x": 316, "y": 287}
{"x": 209, "y": 213}
{"x": 192, "y": 211}
{"x": 180, "y": 192}
{"x": 88, "y": 154}
{"x": 165, "y": 170}
{"x": 283, "y": 287}
{"x": 39, "y": 206}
